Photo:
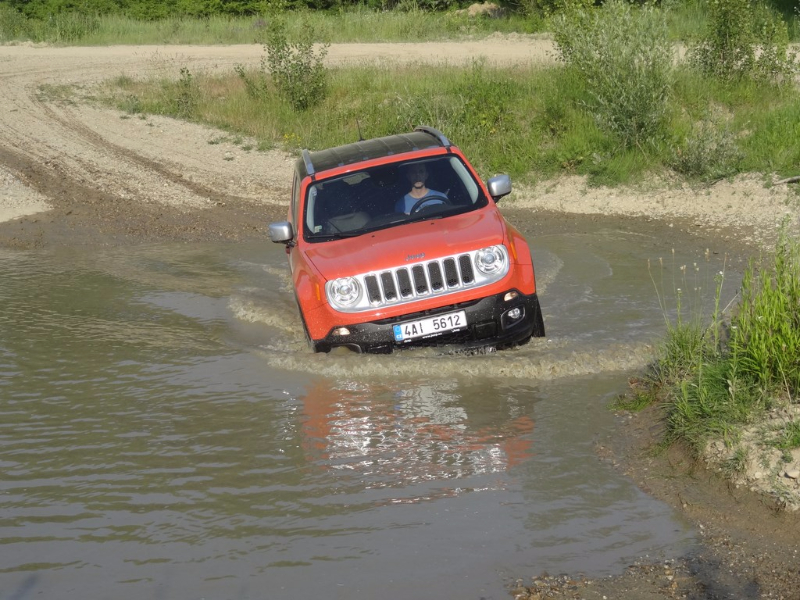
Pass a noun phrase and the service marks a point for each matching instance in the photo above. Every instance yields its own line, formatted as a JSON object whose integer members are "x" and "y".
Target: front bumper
{"x": 489, "y": 323}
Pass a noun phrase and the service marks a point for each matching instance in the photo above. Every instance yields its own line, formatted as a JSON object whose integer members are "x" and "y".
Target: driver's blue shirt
{"x": 407, "y": 202}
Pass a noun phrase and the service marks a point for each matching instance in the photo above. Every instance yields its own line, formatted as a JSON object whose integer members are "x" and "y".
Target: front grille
{"x": 411, "y": 282}
{"x": 419, "y": 280}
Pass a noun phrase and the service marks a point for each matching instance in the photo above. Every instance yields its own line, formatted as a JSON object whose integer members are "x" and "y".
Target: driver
{"x": 417, "y": 175}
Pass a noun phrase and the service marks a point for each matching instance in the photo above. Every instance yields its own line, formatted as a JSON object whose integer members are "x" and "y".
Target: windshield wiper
{"x": 427, "y": 217}
{"x": 326, "y": 237}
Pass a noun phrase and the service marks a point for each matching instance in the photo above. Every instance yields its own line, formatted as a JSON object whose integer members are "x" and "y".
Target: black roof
{"x": 322, "y": 160}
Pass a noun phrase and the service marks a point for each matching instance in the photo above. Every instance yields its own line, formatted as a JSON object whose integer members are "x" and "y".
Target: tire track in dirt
{"x": 154, "y": 176}
{"x": 123, "y": 154}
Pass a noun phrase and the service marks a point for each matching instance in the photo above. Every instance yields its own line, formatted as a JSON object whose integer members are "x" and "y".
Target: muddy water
{"x": 164, "y": 433}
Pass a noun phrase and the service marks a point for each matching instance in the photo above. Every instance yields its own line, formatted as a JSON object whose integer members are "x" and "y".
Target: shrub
{"x": 297, "y": 70}
{"x": 624, "y": 59}
{"x": 186, "y": 98}
{"x": 709, "y": 153}
{"x": 740, "y": 43}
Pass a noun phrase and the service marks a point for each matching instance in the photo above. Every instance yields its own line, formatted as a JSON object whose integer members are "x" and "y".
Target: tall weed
{"x": 186, "y": 98}
{"x": 59, "y": 28}
{"x": 624, "y": 57}
{"x": 296, "y": 67}
{"x": 742, "y": 42}
{"x": 713, "y": 386}
{"x": 765, "y": 336}
{"x": 13, "y": 25}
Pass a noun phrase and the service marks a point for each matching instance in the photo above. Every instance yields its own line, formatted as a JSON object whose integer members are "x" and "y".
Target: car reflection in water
{"x": 384, "y": 438}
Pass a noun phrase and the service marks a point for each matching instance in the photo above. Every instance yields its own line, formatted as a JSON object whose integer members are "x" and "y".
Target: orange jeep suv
{"x": 395, "y": 242}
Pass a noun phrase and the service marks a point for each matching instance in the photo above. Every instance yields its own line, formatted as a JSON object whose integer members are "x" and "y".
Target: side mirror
{"x": 281, "y": 232}
{"x": 499, "y": 186}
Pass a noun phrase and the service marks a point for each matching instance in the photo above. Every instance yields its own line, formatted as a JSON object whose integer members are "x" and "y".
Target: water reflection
{"x": 390, "y": 437}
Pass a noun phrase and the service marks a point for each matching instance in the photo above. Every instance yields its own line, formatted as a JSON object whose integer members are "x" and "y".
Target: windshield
{"x": 389, "y": 195}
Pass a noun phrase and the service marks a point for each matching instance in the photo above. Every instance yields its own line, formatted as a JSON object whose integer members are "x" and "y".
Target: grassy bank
{"x": 718, "y": 377}
{"x": 406, "y": 23}
{"x": 529, "y": 122}
{"x": 353, "y": 25}
{"x": 727, "y": 384}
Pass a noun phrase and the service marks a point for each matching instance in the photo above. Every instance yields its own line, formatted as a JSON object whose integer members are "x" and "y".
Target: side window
{"x": 466, "y": 180}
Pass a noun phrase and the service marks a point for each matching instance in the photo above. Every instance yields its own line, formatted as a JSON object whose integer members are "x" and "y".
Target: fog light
{"x": 510, "y": 296}
{"x": 341, "y": 331}
{"x": 515, "y": 313}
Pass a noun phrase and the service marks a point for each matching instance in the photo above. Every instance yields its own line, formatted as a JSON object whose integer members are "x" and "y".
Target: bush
{"x": 623, "y": 56}
{"x": 709, "y": 153}
{"x": 297, "y": 71}
{"x": 740, "y": 43}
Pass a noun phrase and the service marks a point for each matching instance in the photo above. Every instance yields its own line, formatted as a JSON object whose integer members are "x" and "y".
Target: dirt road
{"x": 76, "y": 174}
{"x": 114, "y": 179}
{"x": 91, "y": 175}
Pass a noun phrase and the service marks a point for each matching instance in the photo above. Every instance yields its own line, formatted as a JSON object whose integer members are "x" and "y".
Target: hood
{"x": 405, "y": 244}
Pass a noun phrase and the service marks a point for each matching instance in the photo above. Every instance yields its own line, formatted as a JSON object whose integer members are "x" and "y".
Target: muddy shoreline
{"x": 75, "y": 175}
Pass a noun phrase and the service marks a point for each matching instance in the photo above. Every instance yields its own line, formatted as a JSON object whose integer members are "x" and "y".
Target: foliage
{"x": 789, "y": 439}
{"x": 256, "y": 84}
{"x": 186, "y": 97}
{"x": 709, "y": 153}
{"x": 742, "y": 43}
{"x": 13, "y": 24}
{"x": 710, "y": 386}
{"x": 624, "y": 58}
{"x": 689, "y": 341}
{"x": 525, "y": 121}
{"x": 710, "y": 402}
{"x": 63, "y": 28}
{"x": 765, "y": 337}
{"x": 296, "y": 67}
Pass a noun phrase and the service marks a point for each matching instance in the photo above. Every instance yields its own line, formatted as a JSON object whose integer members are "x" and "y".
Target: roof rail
{"x": 435, "y": 133}
{"x": 308, "y": 163}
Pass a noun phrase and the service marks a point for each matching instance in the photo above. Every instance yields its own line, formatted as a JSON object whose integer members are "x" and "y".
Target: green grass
{"x": 710, "y": 385}
{"x": 526, "y": 121}
{"x": 355, "y": 25}
{"x": 686, "y": 20}
{"x": 789, "y": 438}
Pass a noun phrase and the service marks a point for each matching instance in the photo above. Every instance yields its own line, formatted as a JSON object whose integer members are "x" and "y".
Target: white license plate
{"x": 431, "y": 326}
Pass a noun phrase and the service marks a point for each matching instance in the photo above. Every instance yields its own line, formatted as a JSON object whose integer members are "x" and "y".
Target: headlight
{"x": 344, "y": 292}
{"x": 490, "y": 260}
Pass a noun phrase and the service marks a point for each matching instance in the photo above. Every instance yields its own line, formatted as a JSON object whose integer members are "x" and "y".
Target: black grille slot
{"x": 389, "y": 289}
{"x": 467, "y": 275}
{"x": 434, "y": 277}
{"x": 435, "y": 273}
{"x": 450, "y": 272}
{"x": 404, "y": 281}
{"x": 420, "y": 284}
{"x": 373, "y": 290}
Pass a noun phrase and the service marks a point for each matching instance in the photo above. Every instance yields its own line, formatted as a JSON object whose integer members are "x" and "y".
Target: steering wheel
{"x": 429, "y": 200}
